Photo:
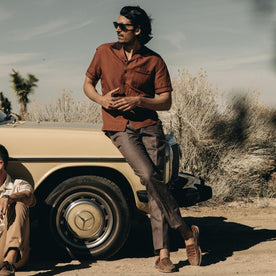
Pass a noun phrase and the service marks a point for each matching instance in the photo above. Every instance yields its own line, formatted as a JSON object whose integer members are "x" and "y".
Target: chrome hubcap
{"x": 84, "y": 220}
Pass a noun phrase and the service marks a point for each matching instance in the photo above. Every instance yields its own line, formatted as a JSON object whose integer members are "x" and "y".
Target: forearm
{"x": 161, "y": 102}
{"x": 157, "y": 104}
{"x": 91, "y": 92}
{"x": 26, "y": 197}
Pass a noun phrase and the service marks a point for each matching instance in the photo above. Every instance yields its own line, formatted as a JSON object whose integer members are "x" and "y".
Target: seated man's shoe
{"x": 165, "y": 265}
{"x": 193, "y": 250}
{"x": 7, "y": 269}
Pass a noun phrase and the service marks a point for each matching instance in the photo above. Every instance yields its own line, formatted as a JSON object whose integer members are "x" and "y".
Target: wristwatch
{"x": 6, "y": 196}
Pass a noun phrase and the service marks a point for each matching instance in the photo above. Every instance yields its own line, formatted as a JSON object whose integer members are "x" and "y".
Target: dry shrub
{"x": 272, "y": 182}
{"x": 66, "y": 109}
{"x": 231, "y": 146}
{"x": 193, "y": 111}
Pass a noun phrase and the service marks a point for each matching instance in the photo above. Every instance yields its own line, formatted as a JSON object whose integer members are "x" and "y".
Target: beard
{"x": 122, "y": 41}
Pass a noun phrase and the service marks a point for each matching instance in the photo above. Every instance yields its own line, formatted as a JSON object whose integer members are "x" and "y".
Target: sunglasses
{"x": 122, "y": 26}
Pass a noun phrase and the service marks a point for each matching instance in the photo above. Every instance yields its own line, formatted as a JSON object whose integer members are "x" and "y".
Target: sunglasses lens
{"x": 123, "y": 27}
{"x": 120, "y": 25}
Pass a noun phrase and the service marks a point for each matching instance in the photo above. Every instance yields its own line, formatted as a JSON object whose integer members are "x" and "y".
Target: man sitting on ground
{"x": 16, "y": 196}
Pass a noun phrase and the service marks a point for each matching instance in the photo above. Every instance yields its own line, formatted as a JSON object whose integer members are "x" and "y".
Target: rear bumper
{"x": 186, "y": 189}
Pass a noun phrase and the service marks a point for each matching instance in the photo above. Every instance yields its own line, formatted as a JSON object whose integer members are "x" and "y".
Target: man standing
{"x": 131, "y": 76}
{"x": 15, "y": 198}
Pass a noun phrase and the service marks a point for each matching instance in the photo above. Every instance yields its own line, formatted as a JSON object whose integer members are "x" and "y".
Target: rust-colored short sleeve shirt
{"x": 144, "y": 75}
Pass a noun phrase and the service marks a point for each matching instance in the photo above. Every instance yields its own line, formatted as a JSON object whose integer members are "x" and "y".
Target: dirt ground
{"x": 236, "y": 239}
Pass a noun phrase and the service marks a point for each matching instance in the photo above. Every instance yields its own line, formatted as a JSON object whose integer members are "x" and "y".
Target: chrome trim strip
{"x": 69, "y": 159}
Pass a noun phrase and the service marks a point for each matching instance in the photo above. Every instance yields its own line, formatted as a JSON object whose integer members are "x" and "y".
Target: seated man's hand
{"x": 4, "y": 204}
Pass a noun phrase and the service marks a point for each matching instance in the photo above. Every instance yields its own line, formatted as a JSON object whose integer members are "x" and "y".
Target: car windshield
{"x": 3, "y": 116}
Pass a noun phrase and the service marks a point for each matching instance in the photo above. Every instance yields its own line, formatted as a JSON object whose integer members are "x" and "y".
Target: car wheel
{"x": 90, "y": 216}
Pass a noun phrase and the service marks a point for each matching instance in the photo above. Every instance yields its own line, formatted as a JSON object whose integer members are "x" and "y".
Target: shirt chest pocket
{"x": 141, "y": 79}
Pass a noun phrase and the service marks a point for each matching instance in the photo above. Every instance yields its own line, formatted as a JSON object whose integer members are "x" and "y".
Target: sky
{"x": 233, "y": 41}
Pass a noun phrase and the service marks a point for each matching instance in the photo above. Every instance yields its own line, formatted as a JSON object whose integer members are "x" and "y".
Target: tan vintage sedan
{"x": 86, "y": 192}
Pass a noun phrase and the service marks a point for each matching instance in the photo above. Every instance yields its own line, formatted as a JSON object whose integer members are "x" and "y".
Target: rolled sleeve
{"x": 22, "y": 185}
{"x": 94, "y": 70}
{"x": 162, "y": 82}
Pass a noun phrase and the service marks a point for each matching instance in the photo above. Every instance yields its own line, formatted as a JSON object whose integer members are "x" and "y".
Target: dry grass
{"x": 232, "y": 145}
{"x": 65, "y": 109}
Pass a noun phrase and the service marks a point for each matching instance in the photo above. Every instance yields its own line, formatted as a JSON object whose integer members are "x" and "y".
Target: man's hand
{"x": 125, "y": 103}
{"x": 107, "y": 100}
{"x": 4, "y": 204}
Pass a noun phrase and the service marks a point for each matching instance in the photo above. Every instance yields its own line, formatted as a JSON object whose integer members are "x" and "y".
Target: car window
{"x": 3, "y": 116}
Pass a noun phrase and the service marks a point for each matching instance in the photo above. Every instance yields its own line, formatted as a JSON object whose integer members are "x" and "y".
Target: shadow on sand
{"x": 218, "y": 240}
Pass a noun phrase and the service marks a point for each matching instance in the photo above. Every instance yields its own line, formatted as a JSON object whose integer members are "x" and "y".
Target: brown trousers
{"x": 16, "y": 233}
{"x": 144, "y": 150}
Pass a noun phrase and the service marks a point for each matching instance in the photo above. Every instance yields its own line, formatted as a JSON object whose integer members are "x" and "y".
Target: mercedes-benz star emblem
{"x": 84, "y": 220}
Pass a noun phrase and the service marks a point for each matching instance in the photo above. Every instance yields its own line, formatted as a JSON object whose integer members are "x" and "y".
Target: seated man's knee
{"x": 19, "y": 209}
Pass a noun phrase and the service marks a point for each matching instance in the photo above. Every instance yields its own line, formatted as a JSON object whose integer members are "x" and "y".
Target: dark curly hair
{"x": 4, "y": 155}
{"x": 139, "y": 18}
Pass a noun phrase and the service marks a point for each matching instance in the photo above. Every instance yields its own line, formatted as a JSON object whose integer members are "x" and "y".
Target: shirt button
{"x": 125, "y": 71}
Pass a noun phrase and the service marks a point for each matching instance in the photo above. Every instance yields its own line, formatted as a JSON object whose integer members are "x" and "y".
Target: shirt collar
{"x": 7, "y": 181}
{"x": 119, "y": 51}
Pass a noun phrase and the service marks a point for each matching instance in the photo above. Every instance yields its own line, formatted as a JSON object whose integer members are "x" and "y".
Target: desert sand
{"x": 235, "y": 238}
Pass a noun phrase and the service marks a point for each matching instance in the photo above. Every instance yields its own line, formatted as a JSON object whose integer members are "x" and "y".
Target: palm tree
{"x": 23, "y": 88}
{"x": 5, "y": 104}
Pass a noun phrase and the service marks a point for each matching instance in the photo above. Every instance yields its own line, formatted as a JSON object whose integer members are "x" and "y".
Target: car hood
{"x": 62, "y": 140}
